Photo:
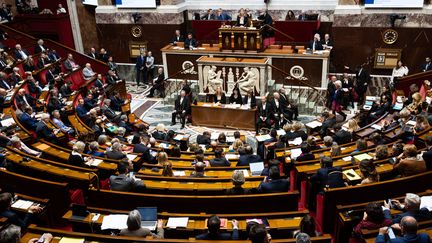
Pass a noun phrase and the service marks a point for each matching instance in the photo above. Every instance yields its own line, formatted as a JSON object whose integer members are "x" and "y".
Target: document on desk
{"x": 377, "y": 127}
{"x": 207, "y": 105}
{"x": 8, "y": 122}
{"x": 295, "y": 153}
{"x": 361, "y": 157}
{"x": 280, "y": 132}
{"x": 230, "y": 139}
{"x": 351, "y": 175}
{"x": 22, "y": 204}
{"x": 296, "y": 141}
{"x": 426, "y": 202}
{"x": 177, "y": 222}
{"x": 94, "y": 162}
{"x": 179, "y": 173}
{"x": 114, "y": 221}
{"x": 131, "y": 157}
{"x": 314, "y": 124}
{"x": 231, "y": 156}
{"x": 262, "y": 138}
{"x": 71, "y": 240}
{"x": 179, "y": 137}
{"x": 42, "y": 146}
{"x": 214, "y": 136}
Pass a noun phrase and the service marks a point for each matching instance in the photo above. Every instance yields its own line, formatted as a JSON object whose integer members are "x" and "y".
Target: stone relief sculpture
{"x": 248, "y": 80}
{"x": 214, "y": 80}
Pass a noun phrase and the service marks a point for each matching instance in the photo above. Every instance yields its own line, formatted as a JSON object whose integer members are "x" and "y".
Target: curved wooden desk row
{"x": 56, "y": 192}
{"x": 35, "y": 232}
{"x": 277, "y": 221}
{"x": 365, "y": 193}
{"x": 253, "y": 203}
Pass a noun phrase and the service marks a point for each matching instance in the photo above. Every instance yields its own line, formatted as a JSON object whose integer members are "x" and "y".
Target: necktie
{"x": 6, "y": 84}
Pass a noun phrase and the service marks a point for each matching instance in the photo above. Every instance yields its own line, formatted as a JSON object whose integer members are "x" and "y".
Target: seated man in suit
{"x": 407, "y": 163}
{"x": 190, "y": 43}
{"x": 158, "y": 84}
{"x": 40, "y": 47}
{"x": 113, "y": 116}
{"x": 69, "y": 64}
{"x": 427, "y": 66}
{"x": 27, "y": 119}
{"x": 248, "y": 157}
{"x": 88, "y": 72}
{"x": 81, "y": 110}
{"x": 20, "y": 54}
{"x": 93, "y": 54}
{"x": 278, "y": 110}
{"x": 264, "y": 114}
{"x": 274, "y": 183}
{"x": 117, "y": 101}
{"x": 306, "y": 153}
{"x": 112, "y": 78}
{"x": 45, "y": 132}
{"x": 204, "y": 138}
{"x": 213, "y": 225}
{"x": 177, "y": 38}
{"x": 182, "y": 108}
{"x": 326, "y": 176}
{"x": 124, "y": 181}
{"x": 24, "y": 99}
{"x": 11, "y": 216}
{"x": 66, "y": 90}
{"x": 42, "y": 61}
{"x": 408, "y": 227}
{"x": 410, "y": 207}
{"x": 219, "y": 159}
{"x": 143, "y": 148}
{"x": 115, "y": 152}
{"x": 315, "y": 44}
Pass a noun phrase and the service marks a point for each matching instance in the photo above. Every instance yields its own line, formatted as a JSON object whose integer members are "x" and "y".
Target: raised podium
{"x": 240, "y": 39}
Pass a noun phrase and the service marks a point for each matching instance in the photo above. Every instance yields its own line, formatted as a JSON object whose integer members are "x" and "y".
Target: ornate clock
{"x": 390, "y": 36}
{"x": 136, "y": 31}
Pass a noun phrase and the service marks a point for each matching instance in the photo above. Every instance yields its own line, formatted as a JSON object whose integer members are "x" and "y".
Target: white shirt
{"x": 400, "y": 72}
{"x": 23, "y": 55}
{"x": 61, "y": 10}
{"x": 42, "y": 48}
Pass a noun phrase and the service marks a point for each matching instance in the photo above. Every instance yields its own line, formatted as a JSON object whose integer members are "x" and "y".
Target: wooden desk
{"x": 240, "y": 38}
{"x": 216, "y": 116}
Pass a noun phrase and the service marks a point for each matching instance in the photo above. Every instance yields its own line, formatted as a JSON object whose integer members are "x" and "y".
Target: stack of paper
{"x": 231, "y": 156}
{"x": 71, "y": 240}
{"x": 164, "y": 145}
{"x": 351, "y": 175}
{"x": 177, "y": 222}
{"x": 94, "y": 162}
{"x": 230, "y": 139}
{"x": 361, "y": 157}
{"x": 314, "y": 124}
{"x": 8, "y": 122}
{"x": 377, "y": 127}
{"x": 262, "y": 138}
{"x": 426, "y": 202}
{"x": 296, "y": 141}
{"x": 178, "y": 137}
{"x": 281, "y": 132}
{"x": 131, "y": 157}
{"x": 347, "y": 159}
{"x": 114, "y": 221}
{"x": 22, "y": 204}
{"x": 179, "y": 173}
{"x": 295, "y": 153}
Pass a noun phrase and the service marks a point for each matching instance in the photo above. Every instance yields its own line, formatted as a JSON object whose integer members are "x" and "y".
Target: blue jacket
{"x": 418, "y": 238}
{"x": 27, "y": 121}
{"x": 245, "y": 160}
{"x": 279, "y": 185}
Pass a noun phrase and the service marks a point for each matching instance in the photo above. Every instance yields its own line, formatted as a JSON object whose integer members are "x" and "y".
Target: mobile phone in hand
{"x": 390, "y": 233}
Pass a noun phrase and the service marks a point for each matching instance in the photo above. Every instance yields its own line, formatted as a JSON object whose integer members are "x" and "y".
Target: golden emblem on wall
{"x": 136, "y": 31}
{"x": 390, "y": 36}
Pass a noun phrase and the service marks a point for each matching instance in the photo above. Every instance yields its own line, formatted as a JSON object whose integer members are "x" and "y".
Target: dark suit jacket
{"x": 328, "y": 43}
{"x": 252, "y": 102}
{"x": 418, "y": 238}
{"x": 76, "y": 160}
{"x": 15, "y": 219}
{"x": 219, "y": 236}
{"x": 327, "y": 124}
{"x": 322, "y": 178}
{"x": 267, "y": 112}
{"x": 184, "y": 106}
{"x": 277, "y": 109}
{"x": 4, "y": 84}
{"x": 427, "y": 67}
{"x": 342, "y": 136}
{"x": 245, "y": 160}
{"x": 50, "y": 78}
{"x": 190, "y": 42}
{"x": 421, "y": 215}
{"x": 222, "y": 100}
{"x": 19, "y": 56}
{"x": 20, "y": 100}
{"x": 177, "y": 39}
{"x": 201, "y": 139}
{"x": 245, "y": 21}
{"x": 115, "y": 155}
{"x": 219, "y": 162}
{"x": 427, "y": 157}
{"x": 65, "y": 91}
{"x": 318, "y": 45}
{"x": 81, "y": 111}
{"x": 43, "y": 131}
{"x": 237, "y": 100}
{"x": 124, "y": 183}
{"x": 28, "y": 122}
{"x": 38, "y": 49}
{"x": 305, "y": 157}
{"x": 93, "y": 55}
{"x": 140, "y": 62}
{"x": 279, "y": 185}
{"x": 140, "y": 148}
{"x": 116, "y": 103}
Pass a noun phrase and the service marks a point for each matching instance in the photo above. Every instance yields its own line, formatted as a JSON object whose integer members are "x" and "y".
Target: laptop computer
{"x": 79, "y": 211}
{"x": 256, "y": 168}
{"x": 148, "y": 217}
{"x": 368, "y": 105}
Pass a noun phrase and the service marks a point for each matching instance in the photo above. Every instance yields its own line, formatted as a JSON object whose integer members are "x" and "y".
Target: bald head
{"x": 408, "y": 225}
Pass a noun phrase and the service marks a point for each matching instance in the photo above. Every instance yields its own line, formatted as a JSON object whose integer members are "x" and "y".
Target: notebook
{"x": 256, "y": 168}
{"x": 148, "y": 217}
